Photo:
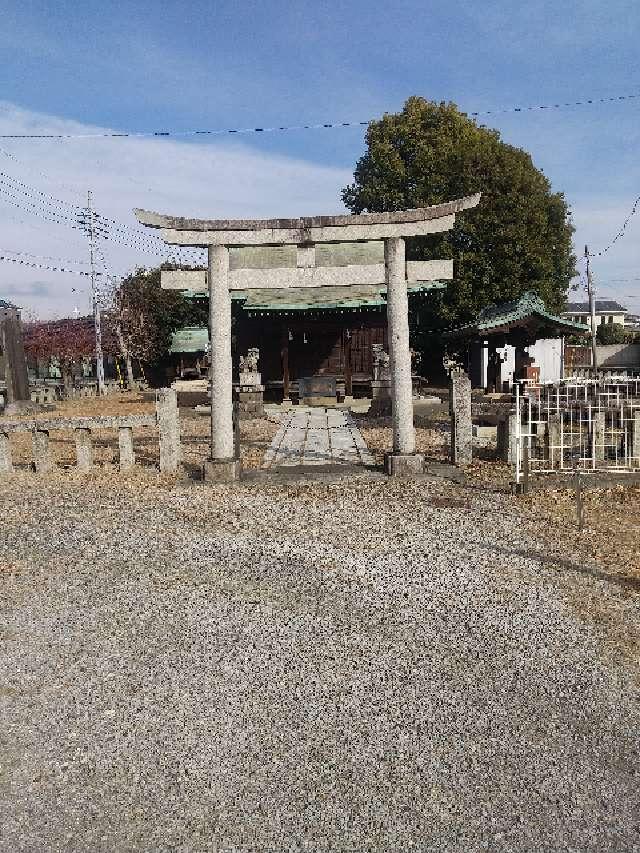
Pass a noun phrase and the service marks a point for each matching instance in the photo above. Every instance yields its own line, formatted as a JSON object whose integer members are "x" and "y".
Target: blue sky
{"x": 139, "y": 66}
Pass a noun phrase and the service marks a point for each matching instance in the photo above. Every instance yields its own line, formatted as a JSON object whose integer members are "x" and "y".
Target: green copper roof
{"x": 190, "y": 339}
{"x": 285, "y": 299}
{"x": 529, "y": 311}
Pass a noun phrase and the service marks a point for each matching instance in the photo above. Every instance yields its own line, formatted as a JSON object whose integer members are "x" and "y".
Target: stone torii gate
{"x": 222, "y": 235}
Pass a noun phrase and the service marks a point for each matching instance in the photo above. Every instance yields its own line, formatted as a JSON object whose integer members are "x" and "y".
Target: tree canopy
{"x": 613, "y": 333}
{"x": 147, "y": 316}
{"x": 517, "y": 239}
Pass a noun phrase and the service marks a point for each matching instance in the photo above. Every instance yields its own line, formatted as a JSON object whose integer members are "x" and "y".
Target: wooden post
{"x": 169, "y": 429}
{"x": 42, "y": 461}
{"x": 84, "y": 449}
{"x": 284, "y": 355}
{"x": 125, "y": 444}
{"x": 348, "y": 379}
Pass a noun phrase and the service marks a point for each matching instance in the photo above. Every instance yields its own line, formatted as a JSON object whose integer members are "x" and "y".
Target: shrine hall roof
{"x": 286, "y": 299}
{"x": 527, "y": 312}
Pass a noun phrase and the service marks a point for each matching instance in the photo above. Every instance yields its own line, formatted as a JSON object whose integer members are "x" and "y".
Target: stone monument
{"x": 250, "y": 390}
{"x": 18, "y": 397}
{"x": 381, "y": 382}
{"x": 461, "y": 424}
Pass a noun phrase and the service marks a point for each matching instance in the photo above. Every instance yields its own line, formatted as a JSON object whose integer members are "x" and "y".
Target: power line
{"x": 13, "y": 157}
{"x": 44, "y": 266}
{"x": 43, "y": 257}
{"x": 283, "y": 128}
{"x": 47, "y": 207}
{"x": 620, "y": 232}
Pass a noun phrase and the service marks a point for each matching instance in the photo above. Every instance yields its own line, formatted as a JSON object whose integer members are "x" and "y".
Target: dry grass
{"x": 432, "y": 437}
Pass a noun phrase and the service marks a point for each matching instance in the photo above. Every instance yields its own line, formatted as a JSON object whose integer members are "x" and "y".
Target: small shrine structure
{"x": 505, "y": 332}
{"x": 300, "y": 242}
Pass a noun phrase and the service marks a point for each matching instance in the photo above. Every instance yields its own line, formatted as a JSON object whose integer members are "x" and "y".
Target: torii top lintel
{"x": 182, "y": 231}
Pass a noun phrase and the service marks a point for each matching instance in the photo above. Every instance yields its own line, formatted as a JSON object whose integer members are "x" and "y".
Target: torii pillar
{"x": 403, "y": 459}
{"x": 223, "y": 466}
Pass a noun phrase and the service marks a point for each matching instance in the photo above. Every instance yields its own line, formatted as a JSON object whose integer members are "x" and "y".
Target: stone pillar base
{"x": 403, "y": 464}
{"x": 221, "y": 470}
{"x": 380, "y": 407}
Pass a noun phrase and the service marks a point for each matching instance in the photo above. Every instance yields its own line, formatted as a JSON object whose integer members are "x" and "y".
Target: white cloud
{"x": 214, "y": 179}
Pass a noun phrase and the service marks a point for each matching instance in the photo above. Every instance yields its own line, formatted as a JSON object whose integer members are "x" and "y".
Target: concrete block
{"x": 403, "y": 464}
{"x": 221, "y": 470}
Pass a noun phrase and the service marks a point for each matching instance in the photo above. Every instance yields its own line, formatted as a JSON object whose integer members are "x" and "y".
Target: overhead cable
{"x": 320, "y": 126}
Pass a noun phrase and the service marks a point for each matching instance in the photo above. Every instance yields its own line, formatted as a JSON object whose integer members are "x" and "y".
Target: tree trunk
{"x": 124, "y": 349}
{"x": 67, "y": 377}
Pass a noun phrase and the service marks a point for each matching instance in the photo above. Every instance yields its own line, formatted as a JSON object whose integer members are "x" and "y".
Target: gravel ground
{"x": 366, "y": 665}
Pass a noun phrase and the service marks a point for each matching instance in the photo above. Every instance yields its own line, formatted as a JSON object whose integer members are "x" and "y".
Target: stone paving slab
{"x": 318, "y": 437}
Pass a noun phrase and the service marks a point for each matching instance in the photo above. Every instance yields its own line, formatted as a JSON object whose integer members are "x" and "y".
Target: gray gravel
{"x": 318, "y": 667}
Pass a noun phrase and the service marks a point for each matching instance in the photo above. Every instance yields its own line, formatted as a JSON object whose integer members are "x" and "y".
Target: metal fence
{"x": 588, "y": 426}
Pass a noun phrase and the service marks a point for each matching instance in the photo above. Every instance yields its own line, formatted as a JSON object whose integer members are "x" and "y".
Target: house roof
{"x": 601, "y": 305}
{"x": 527, "y": 313}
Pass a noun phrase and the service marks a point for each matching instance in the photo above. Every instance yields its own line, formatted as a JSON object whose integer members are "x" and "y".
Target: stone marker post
{"x": 42, "y": 461}
{"x": 223, "y": 465}
{"x": 635, "y": 438}
{"x": 169, "y": 430}
{"x": 125, "y": 447}
{"x": 6, "y": 462}
{"x": 16, "y": 377}
{"x": 84, "y": 449}
{"x": 461, "y": 425}
{"x": 598, "y": 435}
{"x": 403, "y": 460}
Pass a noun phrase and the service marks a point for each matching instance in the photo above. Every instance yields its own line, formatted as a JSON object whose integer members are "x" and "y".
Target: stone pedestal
{"x": 461, "y": 424}
{"x": 21, "y": 407}
{"x": 250, "y": 377}
{"x": 250, "y": 400}
{"x": 221, "y": 470}
{"x": 380, "y": 397}
{"x": 403, "y": 464}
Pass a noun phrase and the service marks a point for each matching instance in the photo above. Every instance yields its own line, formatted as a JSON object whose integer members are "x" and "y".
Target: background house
{"x": 607, "y": 311}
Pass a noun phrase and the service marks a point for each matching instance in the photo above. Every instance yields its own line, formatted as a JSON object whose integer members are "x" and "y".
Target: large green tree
{"x": 517, "y": 239}
{"x": 145, "y": 316}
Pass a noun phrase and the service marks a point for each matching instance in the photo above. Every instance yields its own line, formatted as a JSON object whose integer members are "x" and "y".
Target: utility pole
{"x": 592, "y": 311}
{"x": 96, "y": 304}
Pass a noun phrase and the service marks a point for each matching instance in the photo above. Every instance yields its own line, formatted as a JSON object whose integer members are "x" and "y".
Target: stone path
{"x": 318, "y": 437}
